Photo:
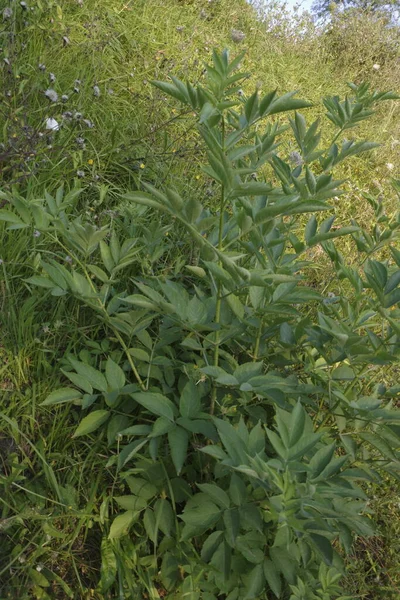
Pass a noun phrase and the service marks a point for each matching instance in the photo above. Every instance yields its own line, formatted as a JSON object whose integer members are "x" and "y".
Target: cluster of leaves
{"x": 238, "y": 402}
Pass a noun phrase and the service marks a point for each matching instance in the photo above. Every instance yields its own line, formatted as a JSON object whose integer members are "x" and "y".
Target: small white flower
{"x": 65, "y": 40}
{"x": 68, "y": 259}
{"x": 88, "y": 123}
{"x": 7, "y": 13}
{"x": 52, "y": 77}
{"x": 78, "y": 82}
{"x": 36, "y": 233}
{"x": 23, "y": 5}
{"x": 237, "y": 36}
{"x": 64, "y": 98}
{"x": 76, "y": 90}
{"x": 390, "y": 166}
{"x": 110, "y": 91}
{"x": 51, "y": 95}
{"x": 96, "y": 91}
{"x": 52, "y": 124}
{"x": 80, "y": 173}
{"x": 78, "y": 116}
{"x": 42, "y": 67}
{"x": 376, "y": 67}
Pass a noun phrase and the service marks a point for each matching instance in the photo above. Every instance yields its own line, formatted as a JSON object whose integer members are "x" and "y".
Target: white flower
{"x": 23, "y": 5}
{"x": 64, "y": 98}
{"x": 96, "y": 91}
{"x": 390, "y": 166}
{"x": 42, "y": 67}
{"x": 52, "y": 77}
{"x": 376, "y": 67}
{"x": 80, "y": 173}
{"x": 7, "y": 13}
{"x": 65, "y": 40}
{"x": 36, "y": 233}
{"x": 52, "y": 124}
{"x": 51, "y": 95}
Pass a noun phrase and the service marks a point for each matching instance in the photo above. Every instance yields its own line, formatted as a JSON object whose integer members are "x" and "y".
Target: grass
{"x": 53, "y": 488}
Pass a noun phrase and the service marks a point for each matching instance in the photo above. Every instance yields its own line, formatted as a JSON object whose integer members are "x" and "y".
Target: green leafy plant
{"x": 239, "y": 403}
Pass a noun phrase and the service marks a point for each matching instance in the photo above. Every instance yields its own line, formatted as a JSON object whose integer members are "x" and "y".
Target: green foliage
{"x": 238, "y": 404}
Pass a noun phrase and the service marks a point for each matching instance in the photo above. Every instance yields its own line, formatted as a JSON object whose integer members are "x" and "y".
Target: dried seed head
{"x": 296, "y": 158}
{"x": 237, "y": 36}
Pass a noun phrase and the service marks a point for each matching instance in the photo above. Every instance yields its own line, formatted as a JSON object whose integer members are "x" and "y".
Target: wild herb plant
{"x": 240, "y": 405}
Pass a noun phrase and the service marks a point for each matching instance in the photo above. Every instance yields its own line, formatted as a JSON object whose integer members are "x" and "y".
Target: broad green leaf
{"x": 273, "y": 578}
{"x": 115, "y": 375}
{"x": 131, "y": 502}
{"x": 321, "y": 459}
{"x": 323, "y": 546}
{"x": 93, "y": 376}
{"x": 165, "y": 517}
{"x": 216, "y": 493}
{"x": 92, "y": 422}
{"x": 344, "y": 373}
{"x": 210, "y": 545}
{"x": 156, "y": 403}
{"x": 40, "y": 281}
{"x": 200, "y": 513}
{"x": 62, "y": 395}
{"x": 297, "y": 424}
{"x": 121, "y": 524}
{"x": 189, "y": 405}
{"x": 79, "y": 381}
{"x": 255, "y": 582}
{"x": 178, "y": 439}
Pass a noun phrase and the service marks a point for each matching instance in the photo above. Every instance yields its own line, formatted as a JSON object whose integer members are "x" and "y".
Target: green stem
{"x": 258, "y": 340}
{"x": 219, "y": 287}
